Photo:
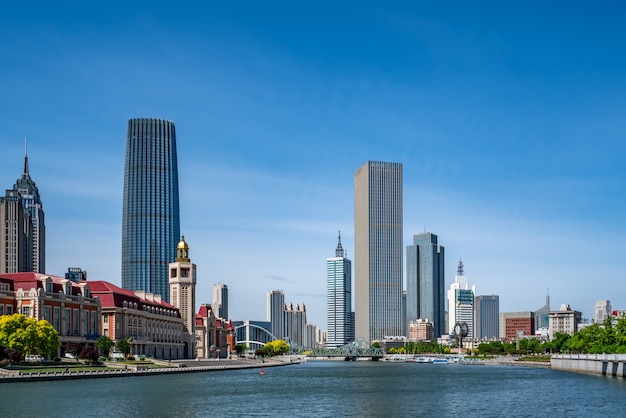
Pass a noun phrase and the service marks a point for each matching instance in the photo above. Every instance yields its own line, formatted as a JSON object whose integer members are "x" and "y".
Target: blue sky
{"x": 508, "y": 119}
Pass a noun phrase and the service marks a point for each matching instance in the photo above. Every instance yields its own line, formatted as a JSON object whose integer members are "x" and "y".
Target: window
{"x": 26, "y": 310}
{"x": 184, "y": 272}
{"x": 9, "y": 309}
{"x": 106, "y": 318}
{"x": 76, "y": 321}
{"x": 47, "y": 314}
{"x": 1, "y": 309}
{"x": 67, "y": 321}
{"x": 173, "y": 273}
{"x": 106, "y": 332}
{"x": 57, "y": 318}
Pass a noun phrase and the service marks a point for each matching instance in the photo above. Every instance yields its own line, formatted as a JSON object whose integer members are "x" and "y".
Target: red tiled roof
{"x": 30, "y": 279}
{"x": 111, "y": 296}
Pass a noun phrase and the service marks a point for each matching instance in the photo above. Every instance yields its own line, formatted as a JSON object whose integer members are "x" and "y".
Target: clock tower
{"x": 182, "y": 280}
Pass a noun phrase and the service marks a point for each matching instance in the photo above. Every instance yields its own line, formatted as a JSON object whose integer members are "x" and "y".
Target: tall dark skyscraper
{"x": 425, "y": 281}
{"x": 378, "y": 250}
{"x": 150, "y": 220}
{"x": 23, "y": 236}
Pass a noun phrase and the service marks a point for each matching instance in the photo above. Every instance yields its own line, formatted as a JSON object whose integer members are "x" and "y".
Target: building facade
{"x": 378, "y": 250}
{"x": 564, "y": 321}
{"x": 421, "y": 330}
{"x": 542, "y": 316}
{"x": 220, "y": 300}
{"x": 461, "y": 303}
{"x": 340, "y": 329}
{"x": 254, "y": 334}
{"x": 214, "y": 335}
{"x": 275, "y": 313}
{"x": 516, "y": 324}
{"x": 182, "y": 282}
{"x": 486, "y": 316}
{"x": 155, "y": 326}
{"x": 295, "y": 324}
{"x": 23, "y": 235}
{"x": 71, "y": 308}
{"x": 425, "y": 278}
{"x": 601, "y": 311}
{"x": 150, "y": 218}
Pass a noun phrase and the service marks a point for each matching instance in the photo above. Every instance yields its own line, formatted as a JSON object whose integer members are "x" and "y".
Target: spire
{"x": 339, "y": 250}
{"x": 25, "y": 156}
{"x": 459, "y": 270}
{"x": 548, "y": 298}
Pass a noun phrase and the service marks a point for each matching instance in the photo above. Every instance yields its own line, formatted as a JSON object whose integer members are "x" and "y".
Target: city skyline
{"x": 507, "y": 121}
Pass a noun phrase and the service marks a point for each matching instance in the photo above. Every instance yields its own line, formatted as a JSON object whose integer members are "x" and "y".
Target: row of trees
{"x": 21, "y": 335}
{"x": 419, "y": 347}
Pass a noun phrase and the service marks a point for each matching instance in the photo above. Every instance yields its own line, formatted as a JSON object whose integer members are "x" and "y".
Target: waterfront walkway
{"x": 187, "y": 366}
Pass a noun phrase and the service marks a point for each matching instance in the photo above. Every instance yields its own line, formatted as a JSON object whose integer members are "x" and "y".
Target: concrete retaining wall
{"x": 604, "y": 364}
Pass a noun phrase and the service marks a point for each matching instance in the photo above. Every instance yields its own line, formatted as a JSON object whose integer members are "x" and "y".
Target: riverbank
{"x": 184, "y": 366}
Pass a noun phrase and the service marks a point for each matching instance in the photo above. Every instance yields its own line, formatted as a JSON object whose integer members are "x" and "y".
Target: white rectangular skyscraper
{"x": 339, "y": 299}
{"x": 378, "y": 250}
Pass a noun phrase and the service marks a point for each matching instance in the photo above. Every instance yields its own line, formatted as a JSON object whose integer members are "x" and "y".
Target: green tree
{"x": 240, "y": 348}
{"x": 276, "y": 347}
{"x": 124, "y": 345}
{"x": 105, "y": 344}
{"x": 27, "y": 335}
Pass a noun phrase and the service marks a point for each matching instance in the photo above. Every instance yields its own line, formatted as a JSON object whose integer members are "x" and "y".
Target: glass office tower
{"x": 425, "y": 281}
{"x": 151, "y": 220}
{"x": 378, "y": 250}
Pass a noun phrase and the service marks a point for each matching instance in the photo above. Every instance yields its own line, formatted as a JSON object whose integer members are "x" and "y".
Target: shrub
{"x": 131, "y": 358}
{"x": 142, "y": 358}
{"x": 57, "y": 359}
{"x": 88, "y": 354}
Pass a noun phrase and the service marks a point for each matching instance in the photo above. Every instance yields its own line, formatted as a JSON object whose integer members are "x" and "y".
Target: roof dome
{"x": 182, "y": 245}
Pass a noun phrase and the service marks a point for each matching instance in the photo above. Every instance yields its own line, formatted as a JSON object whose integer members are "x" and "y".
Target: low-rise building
{"x": 514, "y": 325}
{"x": 214, "y": 336}
{"x": 421, "y": 330}
{"x": 155, "y": 326}
{"x": 72, "y": 309}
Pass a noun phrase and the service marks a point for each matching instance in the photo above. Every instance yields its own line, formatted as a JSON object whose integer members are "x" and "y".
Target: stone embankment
{"x": 603, "y": 364}
{"x": 189, "y": 366}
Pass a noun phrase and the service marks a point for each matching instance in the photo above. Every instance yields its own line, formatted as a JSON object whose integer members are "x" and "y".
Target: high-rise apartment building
{"x": 487, "y": 316}
{"x": 378, "y": 250}
{"x": 220, "y": 300}
{"x": 275, "y": 312}
{"x": 425, "y": 278}
{"x": 461, "y": 303}
{"x": 150, "y": 221}
{"x": 295, "y": 324}
{"x": 340, "y": 329}
{"x": 23, "y": 235}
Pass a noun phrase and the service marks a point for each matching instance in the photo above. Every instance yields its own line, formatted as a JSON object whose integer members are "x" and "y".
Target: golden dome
{"x": 182, "y": 245}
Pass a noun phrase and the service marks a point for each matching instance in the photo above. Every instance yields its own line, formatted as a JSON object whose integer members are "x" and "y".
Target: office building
{"x": 378, "y": 251}
{"x": 150, "y": 218}
{"x": 23, "y": 236}
{"x": 564, "y": 321}
{"x": 425, "y": 280}
{"x": 516, "y": 324}
{"x": 295, "y": 324}
{"x": 601, "y": 311}
{"x": 461, "y": 303}
{"x": 220, "y": 300}
{"x": 542, "y": 316}
{"x": 76, "y": 275}
{"x": 486, "y": 316}
{"x": 275, "y": 313}
{"x": 340, "y": 330}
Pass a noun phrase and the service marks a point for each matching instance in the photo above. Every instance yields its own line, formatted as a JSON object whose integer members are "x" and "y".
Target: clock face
{"x": 457, "y": 329}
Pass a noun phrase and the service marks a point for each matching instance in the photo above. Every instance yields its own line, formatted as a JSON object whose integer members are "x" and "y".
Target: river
{"x": 325, "y": 389}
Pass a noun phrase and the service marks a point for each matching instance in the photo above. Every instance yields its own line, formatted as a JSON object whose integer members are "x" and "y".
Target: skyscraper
{"x": 339, "y": 299}
{"x": 425, "y": 278}
{"x": 276, "y": 312}
{"x": 220, "y": 300}
{"x": 487, "y": 316}
{"x": 23, "y": 237}
{"x": 461, "y": 303}
{"x": 150, "y": 221}
{"x": 378, "y": 250}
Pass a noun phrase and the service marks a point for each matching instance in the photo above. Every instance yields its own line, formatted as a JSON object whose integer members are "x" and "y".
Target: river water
{"x": 325, "y": 389}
